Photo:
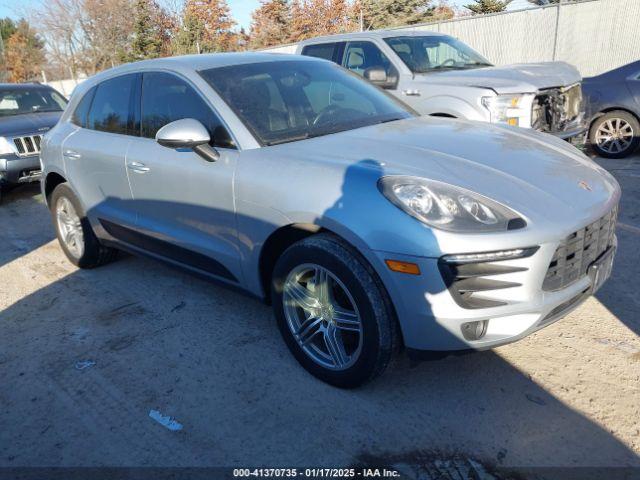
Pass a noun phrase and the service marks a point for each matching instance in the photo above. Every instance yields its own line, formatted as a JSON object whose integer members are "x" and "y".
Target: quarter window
{"x": 166, "y": 98}
{"x": 79, "y": 116}
{"x": 111, "y": 110}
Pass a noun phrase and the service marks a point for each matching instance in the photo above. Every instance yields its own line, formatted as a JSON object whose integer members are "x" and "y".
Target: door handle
{"x": 138, "y": 167}
{"x": 71, "y": 154}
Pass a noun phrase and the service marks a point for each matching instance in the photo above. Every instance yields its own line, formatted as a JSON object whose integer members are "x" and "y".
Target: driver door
{"x": 185, "y": 204}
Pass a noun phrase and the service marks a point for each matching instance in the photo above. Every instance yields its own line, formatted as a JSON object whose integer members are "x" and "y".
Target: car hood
{"x": 517, "y": 78}
{"x": 30, "y": 123}
{"x": 537, "y": 175}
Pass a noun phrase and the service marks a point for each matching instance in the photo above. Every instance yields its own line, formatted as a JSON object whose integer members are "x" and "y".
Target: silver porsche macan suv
{"x": 366, "y": 226}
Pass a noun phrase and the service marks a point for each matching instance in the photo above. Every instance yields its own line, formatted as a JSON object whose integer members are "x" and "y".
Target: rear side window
{"x": 112, "y": 108}
{"x": 79, "y": 116}
{"x": 167, "y": 98}
{"x": 326, "y": 51}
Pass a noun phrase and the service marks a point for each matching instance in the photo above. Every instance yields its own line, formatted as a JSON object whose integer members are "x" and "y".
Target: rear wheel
{"x": 333, "y": 312}
{"x": 74, "y": 232}
{"x": 615, "y": 134}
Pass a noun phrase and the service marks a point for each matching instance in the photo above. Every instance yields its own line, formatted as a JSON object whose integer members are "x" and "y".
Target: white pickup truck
{"x": 439, "y": 75}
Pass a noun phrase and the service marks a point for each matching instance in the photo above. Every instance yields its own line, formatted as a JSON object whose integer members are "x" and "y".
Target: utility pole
{"x": 3, "y": 70}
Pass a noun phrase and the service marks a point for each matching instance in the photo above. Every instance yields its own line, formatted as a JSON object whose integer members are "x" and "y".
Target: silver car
{"x": 439, "y": 75}
{"x": 367, "y": 227}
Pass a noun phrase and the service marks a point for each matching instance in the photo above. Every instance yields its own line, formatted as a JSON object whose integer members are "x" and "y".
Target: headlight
{"x": 514, "y": 110}
{"x": 446, "y": 207}
{"x": 5, "y": 147}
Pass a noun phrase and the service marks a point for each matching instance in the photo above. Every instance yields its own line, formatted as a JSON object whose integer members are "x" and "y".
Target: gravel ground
{"x": 85, "y": 356}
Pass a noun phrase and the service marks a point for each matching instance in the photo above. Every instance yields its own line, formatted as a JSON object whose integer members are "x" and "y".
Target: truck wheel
{"x": 333, "y": 312}
{"x": 615, "y": 134}
{"x": 74, "y": 232}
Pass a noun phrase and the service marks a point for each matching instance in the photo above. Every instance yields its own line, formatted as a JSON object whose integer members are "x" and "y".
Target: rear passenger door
{"x": 185, "y": 204}
{"x": 94, "y": 155}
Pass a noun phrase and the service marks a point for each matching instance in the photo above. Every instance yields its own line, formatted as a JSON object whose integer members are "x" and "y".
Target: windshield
{"x": 285, "y": 101}
{"x": 433, "y": 53}
{"x": 20, "y": 101}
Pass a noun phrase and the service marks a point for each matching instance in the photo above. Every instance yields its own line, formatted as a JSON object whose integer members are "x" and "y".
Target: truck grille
{"x": 558, "y": 109}
{"x": 579, "y": 250}
{"x": 27, "y": 145}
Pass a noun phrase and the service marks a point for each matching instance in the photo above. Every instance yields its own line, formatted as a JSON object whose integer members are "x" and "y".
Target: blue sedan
{"x": 614, "y": 103}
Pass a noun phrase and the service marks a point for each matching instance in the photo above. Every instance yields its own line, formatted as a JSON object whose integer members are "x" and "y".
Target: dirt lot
{"x": 213, "y": 360}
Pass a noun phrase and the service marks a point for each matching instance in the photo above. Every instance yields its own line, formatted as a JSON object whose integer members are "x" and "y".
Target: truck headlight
{"x": 514, "y": 110}
{"x": 448, "y": 207}
{"x": 5, "y": 147}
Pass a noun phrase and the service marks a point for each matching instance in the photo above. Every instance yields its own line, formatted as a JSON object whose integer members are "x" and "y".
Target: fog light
{"x": 474, "y": 330}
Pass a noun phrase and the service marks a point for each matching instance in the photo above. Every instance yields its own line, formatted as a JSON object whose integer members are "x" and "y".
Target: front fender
{"x": 453, "y": 106}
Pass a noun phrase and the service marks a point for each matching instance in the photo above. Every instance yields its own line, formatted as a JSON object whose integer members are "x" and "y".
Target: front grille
{"x": 579, "y": 250}
{"x": 557, "y": 109}
{"x": 27, "y": 145}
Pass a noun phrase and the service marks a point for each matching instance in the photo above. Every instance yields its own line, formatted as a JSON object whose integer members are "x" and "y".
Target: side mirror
{"x": 187, "y": 133}
{"x": 378, "y": 76}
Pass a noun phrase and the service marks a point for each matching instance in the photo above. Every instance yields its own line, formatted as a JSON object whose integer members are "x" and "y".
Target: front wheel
{"x": 74, "y": 232}
{"x": 333, "y": 312}
{"x": 615, "y": 134}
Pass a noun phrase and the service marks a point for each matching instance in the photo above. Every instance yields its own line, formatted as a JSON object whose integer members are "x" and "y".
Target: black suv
{"x": 27, "y": 111}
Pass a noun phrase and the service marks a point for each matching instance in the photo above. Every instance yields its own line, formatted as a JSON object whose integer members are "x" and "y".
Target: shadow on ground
{"x": 213, "y": 359}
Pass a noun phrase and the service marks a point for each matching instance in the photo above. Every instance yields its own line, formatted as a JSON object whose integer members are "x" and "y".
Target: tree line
{"x": 71, "y": 38}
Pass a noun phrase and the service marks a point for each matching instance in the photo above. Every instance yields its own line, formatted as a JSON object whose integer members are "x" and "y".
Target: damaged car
{"x": 441, "y": 76}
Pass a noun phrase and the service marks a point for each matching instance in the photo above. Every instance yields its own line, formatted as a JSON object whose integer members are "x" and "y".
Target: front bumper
{"x": 432, "y": 320}
{"x": 14, "y": 169}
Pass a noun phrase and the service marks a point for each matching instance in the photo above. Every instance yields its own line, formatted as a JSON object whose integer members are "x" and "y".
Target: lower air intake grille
{"x": 579, "y": 250}
{"x": 466, "y": 275}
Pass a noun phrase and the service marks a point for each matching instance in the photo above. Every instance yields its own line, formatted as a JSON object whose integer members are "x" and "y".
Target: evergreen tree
{"x": 147, "y": 36}
{"x": 390, "y": 13}
{"x": 487, "y": 6}
{"x": 270, "y": 24}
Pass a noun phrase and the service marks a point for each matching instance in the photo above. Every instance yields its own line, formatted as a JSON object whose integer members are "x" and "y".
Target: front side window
{"x": 14, "y": 101}
{"x": 433, "y": 53}
{"x": 167, "y": 98}
{"x": 112, "y": 108}
{"x": 360, "y": 56}
{"x": 285, "y": 101}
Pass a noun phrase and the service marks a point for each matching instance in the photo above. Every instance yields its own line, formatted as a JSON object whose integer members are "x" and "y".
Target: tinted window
{"x": 284, "y": 101}
{"x": 167, "y": 98}
{"x": 360, "y": 56}
{"x": 82, "y": 110}
{"x": 111, "y": 110}
{"x": 15, "y": 101}
{"x": 323, "y": 50}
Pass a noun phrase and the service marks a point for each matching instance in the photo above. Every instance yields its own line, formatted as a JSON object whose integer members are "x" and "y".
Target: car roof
{"x": 200, "y": 62}
{"x": 23, "y": 86}
{"x": 372, "y": 34}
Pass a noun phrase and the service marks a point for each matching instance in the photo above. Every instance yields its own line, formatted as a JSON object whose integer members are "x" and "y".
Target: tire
{"x": 620, "y": 123}
{"x": 86, "y": 251}
{"x": 350, "y": 359}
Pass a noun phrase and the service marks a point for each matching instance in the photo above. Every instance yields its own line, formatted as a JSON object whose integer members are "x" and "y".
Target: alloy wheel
{"x": 614, "y": 135}
{"x": 322, "y": 316}
{"x": 70, "y": 227}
